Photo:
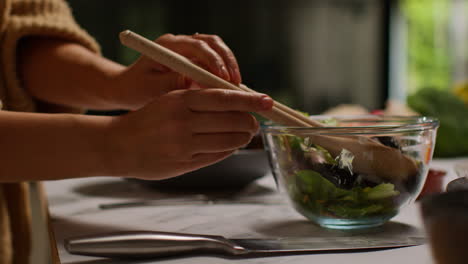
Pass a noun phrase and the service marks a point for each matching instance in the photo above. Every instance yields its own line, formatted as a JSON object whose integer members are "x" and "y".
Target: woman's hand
{"x": 146, "y": 80}
{"x": 182, "y": 131}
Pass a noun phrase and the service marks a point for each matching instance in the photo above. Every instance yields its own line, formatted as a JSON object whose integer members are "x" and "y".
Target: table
{"x": 75, "y": 209}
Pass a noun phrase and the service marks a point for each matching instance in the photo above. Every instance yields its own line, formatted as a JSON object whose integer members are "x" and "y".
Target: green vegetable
{"x": 381, "y": 191}
{"x": 453, "y": 117}
{"x": 304, "y": 146}
{"x": 314, "y": 192}
{"x": 295, "y": 142}
{"x": 315, "y": 185}
{"x": 330, "y": 122}
{"x": 325, "y": 154}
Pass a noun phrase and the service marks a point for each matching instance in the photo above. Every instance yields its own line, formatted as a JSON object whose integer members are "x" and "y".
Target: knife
{"x": 185, "y": 201}
{"x": 146, "y": 244}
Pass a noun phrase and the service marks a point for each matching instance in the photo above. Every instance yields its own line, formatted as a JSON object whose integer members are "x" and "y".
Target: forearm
{"x": 52, "y": 146}
{"x": 69, "y": 74}
{"x": 64, "y": 73}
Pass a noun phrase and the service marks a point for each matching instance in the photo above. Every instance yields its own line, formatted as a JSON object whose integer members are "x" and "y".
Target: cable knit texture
{"x": 19, "y": 19}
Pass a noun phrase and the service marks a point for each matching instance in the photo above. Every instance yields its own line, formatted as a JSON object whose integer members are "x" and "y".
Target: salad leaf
{"x": 294, "y": 142}
{"x": 315, "y": 185}
{"x": 330, "y": 122}
{"x": 325, "y": 154}
{"x": 304, "y": 146}
{"x": 345, "y": 160}
{"x": 381, "y": 191}
{"x": 318, "y": 194}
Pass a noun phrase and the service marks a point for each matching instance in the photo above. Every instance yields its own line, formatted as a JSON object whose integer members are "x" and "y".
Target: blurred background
{"x": 309, "y": 54}
{"x": 312, "y": 54}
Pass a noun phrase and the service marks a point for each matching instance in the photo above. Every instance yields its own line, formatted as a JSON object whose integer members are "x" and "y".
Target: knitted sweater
{"x": 19, "y": 19}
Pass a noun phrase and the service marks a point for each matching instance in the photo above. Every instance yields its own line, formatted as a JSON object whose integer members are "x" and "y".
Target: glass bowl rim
{"x": 408, "y": 124}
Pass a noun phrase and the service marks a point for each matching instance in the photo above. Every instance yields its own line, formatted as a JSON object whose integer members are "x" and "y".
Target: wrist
{"x": 115, "y": 153}
{"x": 115, "y": 88}
{"x": 100, "y": 154}
{"x": 121, "y": 90}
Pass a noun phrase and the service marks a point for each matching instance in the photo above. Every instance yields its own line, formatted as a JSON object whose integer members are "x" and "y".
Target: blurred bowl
{"x": 235, "y": 172}
{"x": 445, "y": 218}
{"x": 461, "y": 168}
{"x": 327, "y": 190}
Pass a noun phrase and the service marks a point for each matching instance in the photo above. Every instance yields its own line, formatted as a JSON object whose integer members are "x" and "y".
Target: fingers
{"x": 205, "y": 159}
{"x": 226, "y": 54}
{"x": 196, "y": 50}
{"x": 220, "y": 142}
{"x": 207, "y": 51}
{"x": 218, "y": 100}
{"x": 224, "y": 122}
{"x": 188, "y": 129}
{"x": 210, "y": 158}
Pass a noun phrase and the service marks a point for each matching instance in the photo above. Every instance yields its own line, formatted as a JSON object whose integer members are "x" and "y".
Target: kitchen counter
{"x": 76, "y": 209}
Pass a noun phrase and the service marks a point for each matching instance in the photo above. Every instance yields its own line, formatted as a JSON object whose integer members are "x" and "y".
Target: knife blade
{"x": 196, "y": 201}
{"x": 147, "y": 244}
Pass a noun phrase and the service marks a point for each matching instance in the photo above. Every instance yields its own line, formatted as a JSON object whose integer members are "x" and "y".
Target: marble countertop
{"x": 76, "y": 208}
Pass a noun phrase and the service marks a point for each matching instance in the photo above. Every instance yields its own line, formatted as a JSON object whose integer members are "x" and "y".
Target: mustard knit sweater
{"x": 18, "y": 19}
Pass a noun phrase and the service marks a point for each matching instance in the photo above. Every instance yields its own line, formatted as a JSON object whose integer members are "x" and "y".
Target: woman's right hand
{"x": 182, "y": 131}
{"x": 145, "y": 80}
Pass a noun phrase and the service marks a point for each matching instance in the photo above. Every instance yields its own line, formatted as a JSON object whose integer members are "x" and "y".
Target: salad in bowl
{"x": 328, "y": 188}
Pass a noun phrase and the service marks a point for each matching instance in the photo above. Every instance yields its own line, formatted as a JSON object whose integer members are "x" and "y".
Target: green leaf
{"x": 326, "y": 155}
{"x": 317, "y": 194}
{"x": 382, "y": 191}
{"x": 294, "y": 142}
{"x": 315, "y": 185}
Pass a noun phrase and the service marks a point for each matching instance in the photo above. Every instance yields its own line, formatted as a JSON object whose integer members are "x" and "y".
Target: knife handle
{"x": 147, "y": 244}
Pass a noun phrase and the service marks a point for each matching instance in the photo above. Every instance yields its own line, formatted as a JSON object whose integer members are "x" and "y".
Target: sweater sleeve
{"x": 51, "y": 18}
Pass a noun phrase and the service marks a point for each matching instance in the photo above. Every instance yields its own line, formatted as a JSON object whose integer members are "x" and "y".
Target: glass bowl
{"x": 356, "y": 172}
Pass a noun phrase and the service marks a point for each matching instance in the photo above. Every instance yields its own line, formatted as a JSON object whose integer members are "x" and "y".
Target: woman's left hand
{"x": 146, "y": 80}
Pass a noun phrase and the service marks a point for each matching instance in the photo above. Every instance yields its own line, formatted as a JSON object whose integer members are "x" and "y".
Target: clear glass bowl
{"x": 356, "y": 172}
